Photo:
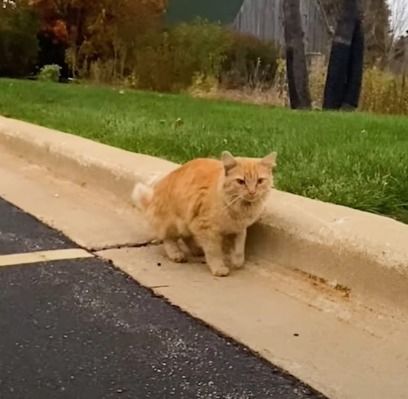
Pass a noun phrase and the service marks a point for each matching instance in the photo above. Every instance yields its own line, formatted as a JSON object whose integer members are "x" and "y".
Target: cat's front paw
{"x": 173, "y": 252}
{"x": 220, "y": 271}
{"x": 237, "y": 261}
{"x": 178, "y": 257}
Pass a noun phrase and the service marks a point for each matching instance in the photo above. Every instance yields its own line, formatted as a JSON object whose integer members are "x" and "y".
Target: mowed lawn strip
{"x": 352, "y": 159}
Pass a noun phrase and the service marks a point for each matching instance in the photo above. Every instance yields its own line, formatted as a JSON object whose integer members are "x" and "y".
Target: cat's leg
{"x": 173, "y": 251}
{"x": 237, "y": 250}
{"x": 211, "y": 243}
{"x": 193, "y": 247}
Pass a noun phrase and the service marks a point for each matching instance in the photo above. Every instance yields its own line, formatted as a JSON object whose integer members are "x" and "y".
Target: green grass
{"x": 356, "y": 160}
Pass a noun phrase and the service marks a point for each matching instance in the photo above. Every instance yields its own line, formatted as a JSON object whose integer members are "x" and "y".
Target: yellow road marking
{"x": 43, "y": 256}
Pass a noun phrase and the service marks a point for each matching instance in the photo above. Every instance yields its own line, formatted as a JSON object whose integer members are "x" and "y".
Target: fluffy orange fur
{"x": 208, "y": 204}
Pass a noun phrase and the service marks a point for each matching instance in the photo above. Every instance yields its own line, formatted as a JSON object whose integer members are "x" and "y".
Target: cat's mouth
{"x": 243, "y": 201}
{"x": 249, "y": 200}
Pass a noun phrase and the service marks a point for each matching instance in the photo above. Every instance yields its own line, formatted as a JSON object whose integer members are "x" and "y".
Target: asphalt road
{"x": 81, "y": 329}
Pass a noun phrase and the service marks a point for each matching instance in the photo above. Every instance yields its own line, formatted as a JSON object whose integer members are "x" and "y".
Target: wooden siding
{"x": 264, "y": 19}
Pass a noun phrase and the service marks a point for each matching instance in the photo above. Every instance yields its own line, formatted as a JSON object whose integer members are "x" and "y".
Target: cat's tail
{"x": 142, "y": 196}
{"x": 143, "y": 192}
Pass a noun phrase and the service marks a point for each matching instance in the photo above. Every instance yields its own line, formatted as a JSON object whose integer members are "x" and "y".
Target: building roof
{"x": 223, "y": 11}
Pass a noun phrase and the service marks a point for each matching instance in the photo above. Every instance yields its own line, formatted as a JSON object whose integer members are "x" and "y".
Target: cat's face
{"x": 248, "y": 179}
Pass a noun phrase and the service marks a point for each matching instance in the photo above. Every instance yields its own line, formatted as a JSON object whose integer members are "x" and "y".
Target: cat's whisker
{"x": 227, "y": 205}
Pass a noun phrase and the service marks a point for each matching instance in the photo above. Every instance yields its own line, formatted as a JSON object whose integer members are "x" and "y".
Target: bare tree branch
{"x": 399, "y": 17}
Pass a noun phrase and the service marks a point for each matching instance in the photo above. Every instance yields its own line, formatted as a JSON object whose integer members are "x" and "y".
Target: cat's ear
{"x": 269, "y": 160}
{"x": 228, "y": 160}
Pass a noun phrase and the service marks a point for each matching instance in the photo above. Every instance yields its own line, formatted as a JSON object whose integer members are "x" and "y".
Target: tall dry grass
{"x": 382, "y": 92}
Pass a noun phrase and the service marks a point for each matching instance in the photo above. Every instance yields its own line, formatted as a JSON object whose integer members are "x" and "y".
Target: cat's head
{"x": 250, "y": 179}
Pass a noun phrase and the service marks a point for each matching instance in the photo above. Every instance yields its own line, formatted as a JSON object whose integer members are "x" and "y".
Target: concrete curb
{"x": 80, "y": 160}
{"x": 363, "y": 255}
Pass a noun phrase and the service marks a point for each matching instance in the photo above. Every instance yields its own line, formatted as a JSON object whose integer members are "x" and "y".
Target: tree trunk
{"x": 296, "y": 67}
{"x": 356, "y": 66}
{"x": 345, "y": 71}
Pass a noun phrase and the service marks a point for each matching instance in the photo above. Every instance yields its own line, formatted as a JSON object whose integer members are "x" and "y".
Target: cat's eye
{"x": 260, "y": 181}
{"x": 241, "y": 181}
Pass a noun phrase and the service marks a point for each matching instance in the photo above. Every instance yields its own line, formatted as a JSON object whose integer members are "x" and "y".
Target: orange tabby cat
{"x": 209, "y": 204}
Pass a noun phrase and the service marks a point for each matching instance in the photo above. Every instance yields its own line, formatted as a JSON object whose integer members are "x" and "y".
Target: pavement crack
{"x": 152, "y": 287}
{"x": 126, "y": 245}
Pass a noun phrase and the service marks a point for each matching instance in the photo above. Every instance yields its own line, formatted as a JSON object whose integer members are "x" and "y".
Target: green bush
{"x": 152, "y": 68}
{"x": 172, "y": 60}
{"x": 18, "y": 39}
{"x": 198, "y": 48}
{"x": 169, "y": 61}
{"x": 50, "y": 73}
{"x": 250, "y": 62}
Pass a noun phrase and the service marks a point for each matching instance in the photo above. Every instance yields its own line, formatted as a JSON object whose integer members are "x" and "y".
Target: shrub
{"x": 199, "y": 54}
{"x": 169, "y": 61}
{"x": 203, "y": 86}
{"x": 172, "y": 60}
{"x": 18, "y": 39}
{"x": 152, "y": 68}
{"x": 50, "y": 73}
{"x": 249, "y": 61}
{"x": 198, "y": 48}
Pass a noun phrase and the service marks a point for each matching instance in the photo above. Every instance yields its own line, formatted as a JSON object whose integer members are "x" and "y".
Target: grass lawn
{"x": 356, "y": 160}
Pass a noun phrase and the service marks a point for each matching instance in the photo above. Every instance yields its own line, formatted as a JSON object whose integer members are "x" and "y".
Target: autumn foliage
{"x": 126, "y": 42}
{"x": 97, "y": 31}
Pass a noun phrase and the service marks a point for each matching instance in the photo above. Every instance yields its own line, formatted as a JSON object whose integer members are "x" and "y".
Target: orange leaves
{"x": 59, "y": 31}
{"x": 103, "y": 30}
{"x": 59, "y": 16}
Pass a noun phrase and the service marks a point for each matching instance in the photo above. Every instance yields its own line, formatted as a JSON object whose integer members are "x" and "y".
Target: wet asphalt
{"x": 81, "y": 329}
